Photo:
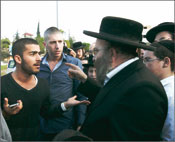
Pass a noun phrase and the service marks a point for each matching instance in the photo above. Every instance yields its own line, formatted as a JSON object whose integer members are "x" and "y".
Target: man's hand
{"x": 76, "y": 72}
{"x": 72, "y": 53}
{"x": 72, "y": 102}
{"x": 8, "y": 111}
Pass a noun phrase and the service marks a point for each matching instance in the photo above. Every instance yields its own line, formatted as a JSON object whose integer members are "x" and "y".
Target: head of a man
{"x": 108, "y": 55}
{"x": 79, "y": 53}
{"x": 163, "y": 31}
{"x": 54, "y": 43}
{"x": 78, "y": 47}
{"x": 91, "y": 72}
{"x": 117, "y": 41}
{"x": 26, "y": 54}
{"x": 161, "y": 61}
{"x": 89, "y": 68}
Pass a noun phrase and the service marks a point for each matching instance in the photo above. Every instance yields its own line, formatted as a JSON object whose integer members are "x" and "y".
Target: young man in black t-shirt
{"x": 31, "y": 93}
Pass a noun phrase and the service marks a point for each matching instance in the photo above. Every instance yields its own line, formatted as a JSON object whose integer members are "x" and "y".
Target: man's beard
{"x": 27, "y": 69}
{"x": 103, "y": 66}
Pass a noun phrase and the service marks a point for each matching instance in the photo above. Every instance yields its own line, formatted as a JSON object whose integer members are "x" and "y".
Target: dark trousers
{"x": 47, "y": 137}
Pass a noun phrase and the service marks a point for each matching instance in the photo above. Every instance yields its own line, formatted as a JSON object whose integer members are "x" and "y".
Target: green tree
{"x": 4, "y": 54}
{"x": 71, "y": 40}
{"x": 5, "y": 43}
{"x": 87, "y": 45}
{"x": 40, "y": 41}
{"x": 38, "y": 31}
{"x": 16, "y": 36}
{"x": 68, "y": 43}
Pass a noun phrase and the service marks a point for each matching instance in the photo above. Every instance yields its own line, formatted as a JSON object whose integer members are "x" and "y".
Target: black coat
{"x": 131, "y": 106}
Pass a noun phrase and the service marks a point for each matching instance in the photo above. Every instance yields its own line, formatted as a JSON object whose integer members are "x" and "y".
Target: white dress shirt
{"x": 118, "y": 68}
{"x": 168, "y": 128}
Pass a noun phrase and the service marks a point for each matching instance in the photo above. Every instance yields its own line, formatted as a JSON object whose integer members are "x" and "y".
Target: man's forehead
{"x": 163, "y": 35}
{"x": 55, "y": 36}
{"x": 32, "y": 47}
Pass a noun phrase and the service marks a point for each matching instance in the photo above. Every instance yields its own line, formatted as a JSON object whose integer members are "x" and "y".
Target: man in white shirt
{"x": 161, "y": 63}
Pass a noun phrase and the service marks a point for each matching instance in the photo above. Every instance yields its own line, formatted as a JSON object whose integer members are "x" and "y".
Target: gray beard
{"x": 103, "y": 66}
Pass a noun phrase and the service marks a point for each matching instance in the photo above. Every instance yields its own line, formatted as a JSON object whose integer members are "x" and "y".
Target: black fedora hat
{"x": 165, "y": 26}
{"x": 121, "y": 31}
{"x": 77, "y": 45}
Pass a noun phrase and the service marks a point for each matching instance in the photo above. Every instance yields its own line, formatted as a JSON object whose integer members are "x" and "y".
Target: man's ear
{"x": 167, "y": 62}
{"x": 113, "y": 54}
{"x": 18, "y": 59}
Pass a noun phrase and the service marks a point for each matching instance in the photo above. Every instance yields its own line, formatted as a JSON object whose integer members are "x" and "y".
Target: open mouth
{"x": 37, "y": 65}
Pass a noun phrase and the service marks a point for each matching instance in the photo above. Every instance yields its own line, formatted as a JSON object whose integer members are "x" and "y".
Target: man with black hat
{"x": 132, "y": 103}
{"x": 78, "y": 47}
{"x": 161, "y": 63}
{"x": 163, "y": 31}
{"x": 89, "y": 68}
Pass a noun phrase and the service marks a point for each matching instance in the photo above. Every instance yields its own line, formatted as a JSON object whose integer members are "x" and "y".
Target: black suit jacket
{"x": 131, "y": 106}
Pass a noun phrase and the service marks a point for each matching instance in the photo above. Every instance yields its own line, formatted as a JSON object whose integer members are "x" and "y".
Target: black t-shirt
{"x": 25, "y": 125}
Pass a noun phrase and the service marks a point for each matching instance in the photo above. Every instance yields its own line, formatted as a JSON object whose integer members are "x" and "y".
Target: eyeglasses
{"x": 147, "y": 60}
{"x": 96, "y": 50}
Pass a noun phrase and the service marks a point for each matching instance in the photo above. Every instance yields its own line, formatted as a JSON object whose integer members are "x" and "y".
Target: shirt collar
{"x": 167, "y": 80}
{"x": 118, "y": 68}
{"x": 44, "y": 61}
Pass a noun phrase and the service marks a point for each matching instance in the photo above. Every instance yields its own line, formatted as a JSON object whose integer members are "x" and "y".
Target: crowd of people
{"x": 123, "y": 90}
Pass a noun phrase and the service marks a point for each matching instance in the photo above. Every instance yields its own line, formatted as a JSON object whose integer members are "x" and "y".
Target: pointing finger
{"x": 71, "y": 65}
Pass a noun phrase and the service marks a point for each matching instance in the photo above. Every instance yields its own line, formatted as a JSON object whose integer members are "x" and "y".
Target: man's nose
{"x": 57, "y": 45}
{"x": 94, "y": 74}
{"x": 38, "y": 57}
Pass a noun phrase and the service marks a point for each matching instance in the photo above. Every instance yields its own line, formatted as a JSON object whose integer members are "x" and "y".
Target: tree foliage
{"x": 5, "y": 43}
{"x": 38, "y": 31}
{"x": 16, "y": 36}
{"x": 87, "y": 45}
{"x": 71, "y": 40}
{"x": 4, "y": 54}
{"x": 40, "y": 41}
{"x": 68, "y": 43}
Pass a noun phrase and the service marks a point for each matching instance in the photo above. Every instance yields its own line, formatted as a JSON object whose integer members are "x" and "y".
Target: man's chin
{"x": 35, "y": 72}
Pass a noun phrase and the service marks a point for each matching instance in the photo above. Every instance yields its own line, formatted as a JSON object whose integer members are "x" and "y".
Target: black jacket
{"x": 131, "y": 106}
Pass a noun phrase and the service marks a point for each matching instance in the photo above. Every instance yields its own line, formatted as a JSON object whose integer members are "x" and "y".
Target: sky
{"x": 76, "y": 16}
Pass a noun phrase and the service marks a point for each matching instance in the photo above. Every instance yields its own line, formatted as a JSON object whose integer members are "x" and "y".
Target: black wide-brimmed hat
{"x": 77, "y": 45}
{"x": 121, "y": 31}
{"x": 165, "y": 26}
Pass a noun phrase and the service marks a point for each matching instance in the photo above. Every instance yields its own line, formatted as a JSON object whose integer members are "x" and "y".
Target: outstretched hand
{"x": 11, "y": 110}
{"x": 73, "y": 102}
{"x": 75, "y": 72}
